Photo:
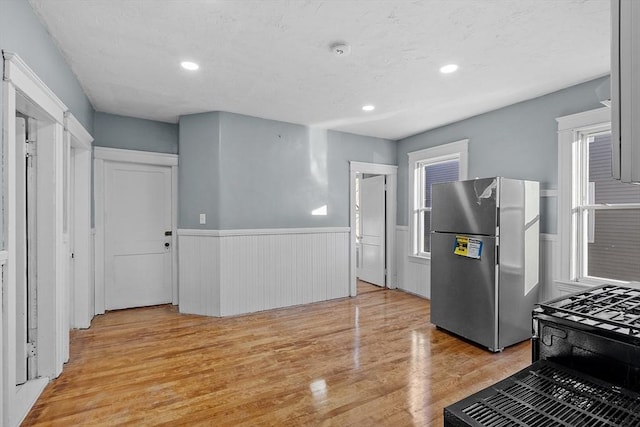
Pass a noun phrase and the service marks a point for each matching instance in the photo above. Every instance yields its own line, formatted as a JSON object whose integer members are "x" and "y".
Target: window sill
{"x": 420, "y": 259}
{"x": 575, "y": 283}
{"x": 584, "y": 284}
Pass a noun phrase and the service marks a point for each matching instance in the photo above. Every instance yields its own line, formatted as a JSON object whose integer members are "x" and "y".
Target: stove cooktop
{"x": 610, "y": 307}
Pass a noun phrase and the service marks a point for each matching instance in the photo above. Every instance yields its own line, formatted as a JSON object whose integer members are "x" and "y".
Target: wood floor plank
{"x": 370, "y": 360}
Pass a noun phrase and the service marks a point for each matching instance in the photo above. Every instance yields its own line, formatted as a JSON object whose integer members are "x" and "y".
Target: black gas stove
{"x": 586, "y": 370}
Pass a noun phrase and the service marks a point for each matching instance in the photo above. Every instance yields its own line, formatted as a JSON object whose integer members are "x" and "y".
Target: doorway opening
{"x": 366, "y": 287}
{"x": 370, "y": 229}
{"x": 372, "y": 255}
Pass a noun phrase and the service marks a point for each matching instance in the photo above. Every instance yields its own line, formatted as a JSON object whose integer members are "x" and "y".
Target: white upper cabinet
{"x": 625, "y": 89}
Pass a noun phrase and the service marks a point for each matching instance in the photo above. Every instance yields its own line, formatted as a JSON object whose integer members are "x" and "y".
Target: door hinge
{"x": 30, "y": 149}
{"x": 30, "y": 153}
{"x": 73, "y": 255}
{"x": 31, "y": 349}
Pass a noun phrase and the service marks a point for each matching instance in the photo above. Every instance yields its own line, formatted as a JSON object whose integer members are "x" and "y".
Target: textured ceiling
{"x": 272, "y": 58}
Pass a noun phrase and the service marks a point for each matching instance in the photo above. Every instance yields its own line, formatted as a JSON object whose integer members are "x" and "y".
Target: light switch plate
{"x": 203, "y": 218}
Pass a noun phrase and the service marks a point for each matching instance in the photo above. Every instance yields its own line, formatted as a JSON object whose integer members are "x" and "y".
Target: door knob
{"x": 166, "y": 245}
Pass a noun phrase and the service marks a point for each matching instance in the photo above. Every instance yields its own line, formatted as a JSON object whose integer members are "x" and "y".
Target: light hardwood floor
{"x": 373, "y": 360}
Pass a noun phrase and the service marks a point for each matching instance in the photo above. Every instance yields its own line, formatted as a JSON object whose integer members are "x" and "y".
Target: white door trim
{"x": 391, "y": 172}
{"x": 135, "y": 156}
{"x": 82, "y": 139}
{"x": 101, "y": 155}
{"x": 26, "y": 81}
{"x": 24, "y": 91}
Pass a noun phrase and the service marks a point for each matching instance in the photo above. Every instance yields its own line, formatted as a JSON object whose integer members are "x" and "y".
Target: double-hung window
{"x": 444, "y": 163}
{"x": 601, "y": 215}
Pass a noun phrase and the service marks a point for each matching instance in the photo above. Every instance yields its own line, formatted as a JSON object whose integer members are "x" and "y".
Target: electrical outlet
{"x": 203, "y": 218}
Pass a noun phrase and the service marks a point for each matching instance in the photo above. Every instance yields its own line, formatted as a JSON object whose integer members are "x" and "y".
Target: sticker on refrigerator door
{"x": 468, "y": 247}
{"x": 474, "y": 248}
{"x": 460, "y": 245}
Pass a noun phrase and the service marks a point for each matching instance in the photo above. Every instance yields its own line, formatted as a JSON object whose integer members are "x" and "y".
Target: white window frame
{"x": 572, "y": 131}
{"x": 458, "y": 150}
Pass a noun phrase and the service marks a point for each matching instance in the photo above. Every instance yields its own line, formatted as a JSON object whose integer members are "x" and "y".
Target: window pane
{"x": 613, "y": 235}
{"x": 615, "y": 251}
{"x": 426, "y": 231}
{"x": 607, "y": 189}
{"x": 434, "y": 173}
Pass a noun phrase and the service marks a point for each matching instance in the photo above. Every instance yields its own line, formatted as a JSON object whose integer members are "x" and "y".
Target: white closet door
{"x": 21, "y": 258}
{"x": 138, "y": 263}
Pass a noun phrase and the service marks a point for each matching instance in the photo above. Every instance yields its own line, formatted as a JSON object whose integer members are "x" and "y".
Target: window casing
{"x": 443, "y": 163}
{"x": 599, "y": 217}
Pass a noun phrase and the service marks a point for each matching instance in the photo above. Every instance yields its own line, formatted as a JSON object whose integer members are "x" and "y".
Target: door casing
{"x": 391, "y": 173}
{"x": 24, "y": 92}
{"x": 102, "y": 155}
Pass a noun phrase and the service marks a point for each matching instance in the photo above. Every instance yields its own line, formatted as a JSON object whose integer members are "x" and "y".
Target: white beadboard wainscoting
{"x": 199, "y": 272}
{"x": 229, "y": 272}
{"x": 414, "y": 273}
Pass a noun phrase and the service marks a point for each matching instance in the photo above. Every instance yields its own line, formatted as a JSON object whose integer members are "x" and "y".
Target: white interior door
{"x": 81, "y": 282}
{"x": 138, "y": 263}
{"x": 70, "y": 218}
{"x": 21, "y": 258}
{"x": 67, "y": 241}
{"x": 372, "y": 220}
{"x": 26, "y": 291}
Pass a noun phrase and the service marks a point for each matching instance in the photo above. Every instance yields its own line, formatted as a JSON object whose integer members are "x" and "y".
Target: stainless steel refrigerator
{"x": 484, "y": 259}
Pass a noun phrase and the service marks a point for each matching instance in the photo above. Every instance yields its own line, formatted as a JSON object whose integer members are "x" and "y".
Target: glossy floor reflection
{"x": 370, "y": 360}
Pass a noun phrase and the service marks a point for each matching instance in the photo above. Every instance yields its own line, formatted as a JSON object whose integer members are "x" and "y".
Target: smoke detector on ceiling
{"x": 341, "y": 49}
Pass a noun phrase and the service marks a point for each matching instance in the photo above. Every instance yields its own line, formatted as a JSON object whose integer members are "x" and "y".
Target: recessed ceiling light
{"x": 368, "y": 108}
{"x": 188, "y": 65}
{"x": 450, "y": 68}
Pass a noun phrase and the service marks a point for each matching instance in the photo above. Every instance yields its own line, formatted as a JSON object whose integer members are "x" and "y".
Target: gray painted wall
{"x": 271, "y": 174}
{"x": 22, "y": 33}
{"x": 518, "y": 141}
{"x": 199, "y": 171}
{"x": 129, "y": 133}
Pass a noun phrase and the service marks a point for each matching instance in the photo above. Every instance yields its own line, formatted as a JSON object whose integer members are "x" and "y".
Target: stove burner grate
{"x": 547, "y": 394}
{"x": 610, "y": 307}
